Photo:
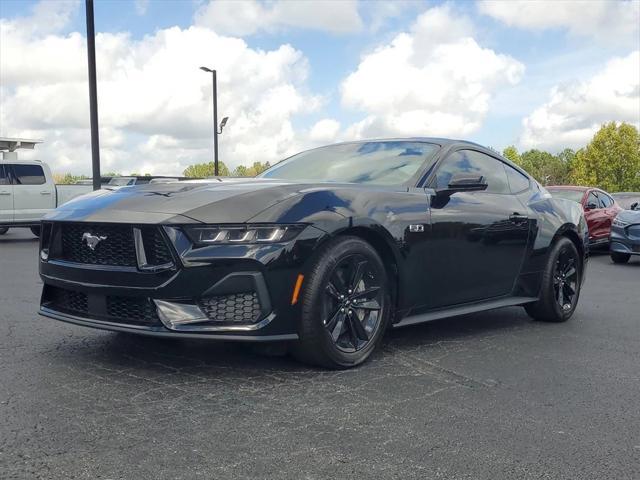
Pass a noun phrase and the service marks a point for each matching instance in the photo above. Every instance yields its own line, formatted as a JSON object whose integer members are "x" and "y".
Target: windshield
{"x": 625, "y": 201}
{"x": 574, "y": 195}
{"x": 378, "y": 163}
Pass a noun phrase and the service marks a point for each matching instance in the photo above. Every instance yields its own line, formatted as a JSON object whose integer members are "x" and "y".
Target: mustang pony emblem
{"x": 92, "y": 241}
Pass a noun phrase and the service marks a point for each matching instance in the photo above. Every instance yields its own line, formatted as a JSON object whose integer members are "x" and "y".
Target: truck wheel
{"x": 35, "y": 231}
{"x": 3, "y": 230}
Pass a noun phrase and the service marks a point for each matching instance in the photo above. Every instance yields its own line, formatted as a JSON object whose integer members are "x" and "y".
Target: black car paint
{"x": 472, "y": 249}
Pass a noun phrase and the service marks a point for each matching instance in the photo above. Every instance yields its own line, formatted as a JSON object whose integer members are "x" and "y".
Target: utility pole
{"x": 93, "y": 95}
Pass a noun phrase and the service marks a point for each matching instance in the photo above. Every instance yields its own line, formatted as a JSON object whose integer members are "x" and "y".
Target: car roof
{"x": 437, "y": 140}
{"x": 568, "y": 187}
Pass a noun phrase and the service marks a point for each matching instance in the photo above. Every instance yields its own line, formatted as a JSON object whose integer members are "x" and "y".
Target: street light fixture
{"x": 216, "y": 132}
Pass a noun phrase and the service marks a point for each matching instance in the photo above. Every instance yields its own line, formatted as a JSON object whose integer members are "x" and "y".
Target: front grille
{"x": 233, "y": 308}
{"x": 115, "y": 246}
{"x": 634, "y": 232}
{"x": 132, "y": 310}
{"x": 155, "y": 247}
{"x": 67, "y": 300}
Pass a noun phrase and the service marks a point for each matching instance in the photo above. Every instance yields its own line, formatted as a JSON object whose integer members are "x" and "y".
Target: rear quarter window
{"x": 517, "y": 181}
{"x": 28, "y": 174}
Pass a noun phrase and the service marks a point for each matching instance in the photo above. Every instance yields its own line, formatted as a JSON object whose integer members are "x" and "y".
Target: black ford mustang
{"x": 325, "y": 251}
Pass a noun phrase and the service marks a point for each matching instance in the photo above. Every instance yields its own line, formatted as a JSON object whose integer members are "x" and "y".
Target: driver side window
{"x": 472, "y": 162}
{"x": 592, "y": 199}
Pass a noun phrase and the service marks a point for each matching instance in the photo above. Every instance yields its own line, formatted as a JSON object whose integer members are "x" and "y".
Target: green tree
{"x": 67, "y": 178}
{"x": 512, "y": 154}
{"x": 203, "y": 170}
{"x": 546, "y": 168}
{"x": 611, "y": 160}
{"x": 256, "y": 169}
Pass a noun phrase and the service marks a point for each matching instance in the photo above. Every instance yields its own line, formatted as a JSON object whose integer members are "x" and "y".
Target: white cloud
{"x": 155, "y": 105}
{"x": 434, "y": 80}
{"x": 141, "y": 6}
{"x": 576, "y": 110}
{"x": 247, "y": 17}
{"x": 605, "y": 20}
{"x": 325, "y": 131}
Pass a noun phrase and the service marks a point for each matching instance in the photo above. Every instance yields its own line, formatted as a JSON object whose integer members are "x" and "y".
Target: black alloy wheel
{"x": 353, "y": 303}
{"x": 345, "y": 305}
{"x": 565, "y": 279}
{"x": 561, "y": 282}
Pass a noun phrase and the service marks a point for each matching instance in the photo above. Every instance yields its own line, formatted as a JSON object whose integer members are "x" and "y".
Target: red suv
{"x": 599, "y": 209}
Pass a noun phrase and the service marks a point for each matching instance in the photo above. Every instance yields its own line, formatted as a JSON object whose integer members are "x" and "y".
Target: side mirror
{"x": 635, "y": 206}
{"x": 591, "y": 206}
{"x": 464, "y": 182}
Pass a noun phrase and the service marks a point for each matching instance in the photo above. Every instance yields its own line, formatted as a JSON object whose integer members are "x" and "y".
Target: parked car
{"x": 599, "y": 209}
{"x": 625, "y": 233}
{"x": 626, "y": 199}
{"x": 28, "y": 192}
{"x": 324, "y": 250}
{"x": 115, "y": 182}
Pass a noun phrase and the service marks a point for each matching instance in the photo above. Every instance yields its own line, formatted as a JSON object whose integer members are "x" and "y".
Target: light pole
{"x": 216, "y": 132}
{"x": 93, "y": 96}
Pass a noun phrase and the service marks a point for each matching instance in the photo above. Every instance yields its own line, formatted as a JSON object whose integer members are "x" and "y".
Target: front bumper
{"x": 159, "y": 331}
{"x": 225, "y": 292}
{"x": 625, "y": 239}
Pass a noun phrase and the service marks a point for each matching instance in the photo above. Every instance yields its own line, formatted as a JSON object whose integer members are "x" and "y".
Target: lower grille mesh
{"x": 233, "y": 308}
{"x": 124, "y": 310}
{"x": 133, "y": 310}
{"x": 68, "y": 301}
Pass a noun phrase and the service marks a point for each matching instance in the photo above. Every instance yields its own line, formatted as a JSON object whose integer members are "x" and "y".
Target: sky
{"x": 294, "y": 74}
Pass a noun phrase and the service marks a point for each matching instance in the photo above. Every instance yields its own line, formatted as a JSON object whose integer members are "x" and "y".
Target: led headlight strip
{"x": 242, "y": 234}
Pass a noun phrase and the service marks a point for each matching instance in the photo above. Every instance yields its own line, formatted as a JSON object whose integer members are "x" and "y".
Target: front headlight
{"x": 242, "y": 234}
{"x": 619, "y": 223}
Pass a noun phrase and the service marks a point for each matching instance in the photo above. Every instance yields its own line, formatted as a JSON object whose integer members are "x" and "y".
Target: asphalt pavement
{"x": 484, "y": 396}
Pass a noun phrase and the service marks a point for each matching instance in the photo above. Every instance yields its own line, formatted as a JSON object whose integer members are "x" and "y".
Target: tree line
{"x": 203, "y": 170}
{"x": 610, "y": 161}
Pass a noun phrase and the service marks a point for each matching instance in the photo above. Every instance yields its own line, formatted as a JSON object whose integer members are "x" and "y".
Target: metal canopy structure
{"x": 9, "y": 144}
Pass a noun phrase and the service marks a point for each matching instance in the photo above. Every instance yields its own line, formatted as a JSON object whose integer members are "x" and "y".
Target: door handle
{"x": 45, "y": 192}
{"x": 517, "y": 218}
{"x": 5, "y": 193}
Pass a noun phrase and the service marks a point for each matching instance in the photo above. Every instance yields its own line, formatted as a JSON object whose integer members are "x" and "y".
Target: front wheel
{"x": 561, "y": 283}
{"x": 345, "y": 305}
{"x": 3, "y": 230}
{"x": 618, "y": 257}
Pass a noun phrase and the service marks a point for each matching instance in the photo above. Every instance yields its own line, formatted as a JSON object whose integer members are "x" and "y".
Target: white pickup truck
{"x": 28, "y": 192}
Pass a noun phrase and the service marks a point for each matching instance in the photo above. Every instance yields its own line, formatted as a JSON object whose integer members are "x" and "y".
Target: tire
{"x": 562, "y": 275}
{"x": 341, "y": 332}
{"x": 35, "y": 231}
{"x": 618, "y": 257}
{"x": 3, "y": 230}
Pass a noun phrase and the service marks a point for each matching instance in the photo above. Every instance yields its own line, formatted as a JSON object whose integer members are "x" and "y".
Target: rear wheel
{"x": 35, "y": 231}
{"x": 561, "y": 283}
{"x": 618, "y": 257}
{"x": 345, "y": 305}
{"x": 3, "y": 230}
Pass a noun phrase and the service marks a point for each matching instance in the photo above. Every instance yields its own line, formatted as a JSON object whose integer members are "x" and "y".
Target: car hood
{"x": 216, "y": 201}
{"x": 629, "y": 216}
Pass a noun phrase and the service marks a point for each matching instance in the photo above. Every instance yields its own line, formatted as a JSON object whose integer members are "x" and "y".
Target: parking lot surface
{"x": 484, "y": 396}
